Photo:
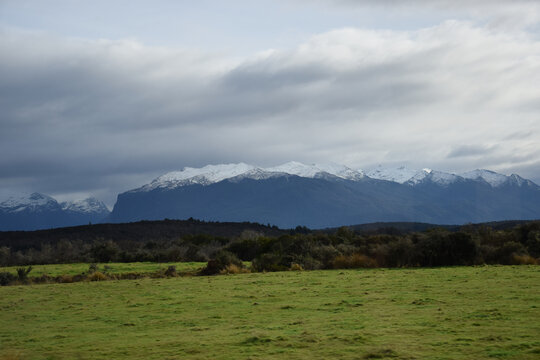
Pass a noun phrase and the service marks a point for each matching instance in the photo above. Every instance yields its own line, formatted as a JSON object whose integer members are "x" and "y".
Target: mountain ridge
{"x": 292, "y": 194}
{"x": 211, "y": 174}
{"x": 38, "y": 211}
{"x": 321, "y": 196}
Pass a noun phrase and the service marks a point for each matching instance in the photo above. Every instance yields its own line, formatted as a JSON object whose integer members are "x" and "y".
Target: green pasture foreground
{"x": 490, "y": 312}
{"x": 111, "y": 268}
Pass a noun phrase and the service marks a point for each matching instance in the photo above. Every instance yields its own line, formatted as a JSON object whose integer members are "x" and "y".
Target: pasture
{"x": 487, "y": 312}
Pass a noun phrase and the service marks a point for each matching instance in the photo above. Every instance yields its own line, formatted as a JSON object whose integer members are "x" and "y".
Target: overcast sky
{"x": 99, "y": 97}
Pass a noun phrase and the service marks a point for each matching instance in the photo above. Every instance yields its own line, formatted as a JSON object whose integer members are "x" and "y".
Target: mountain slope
{"x": 325, "y": 196}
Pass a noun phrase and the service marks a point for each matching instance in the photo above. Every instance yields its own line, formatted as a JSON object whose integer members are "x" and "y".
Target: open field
{"x": 112, "y": 268}
{"x": 443, "y": 313}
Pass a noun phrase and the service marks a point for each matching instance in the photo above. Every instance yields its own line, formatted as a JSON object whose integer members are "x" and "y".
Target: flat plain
{"x": 487, "y": 312}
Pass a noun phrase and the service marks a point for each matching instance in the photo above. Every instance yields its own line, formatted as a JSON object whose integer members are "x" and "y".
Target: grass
{"x": 112, "y": 268}
{"x": 489, "y": 312}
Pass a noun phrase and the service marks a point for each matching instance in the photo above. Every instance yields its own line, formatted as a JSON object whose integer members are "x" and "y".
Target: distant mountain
{"x": 38, "y": 211}
{"x": 329, "y": 195}
{"x": 85, "y": 211}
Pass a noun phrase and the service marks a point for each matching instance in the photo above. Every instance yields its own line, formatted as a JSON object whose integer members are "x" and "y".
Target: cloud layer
{"x": 99, "y": 116}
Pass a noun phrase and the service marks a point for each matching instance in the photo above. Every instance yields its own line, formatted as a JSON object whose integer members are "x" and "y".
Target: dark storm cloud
{"x": 105, "y": 116}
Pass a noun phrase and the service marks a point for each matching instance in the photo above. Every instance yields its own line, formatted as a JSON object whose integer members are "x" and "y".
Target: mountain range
{"x": 37, "y": 211}
{"x": 317, "y": 196}
{"x": 329, "y": 195}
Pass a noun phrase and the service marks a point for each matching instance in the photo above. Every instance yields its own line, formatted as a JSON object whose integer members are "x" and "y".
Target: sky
{"x": 100, "y": 97}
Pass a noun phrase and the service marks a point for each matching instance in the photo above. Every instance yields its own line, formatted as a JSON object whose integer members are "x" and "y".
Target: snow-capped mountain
{"x": 38, "y": 211}
{"x": 90, "y": 205}
{"x": 433, "y": 176}
{"x": 315, "y": 170}
{"x": 403, "y": 175}
{"x": 291, "y": 194}
{"x": 321, "y": 195}
{"x": 400, "y": 175}
{"x": 211, "y": 174}
{"x": 495, "y": 179}
{"x": 491, "y": 177}
{"x": 29, "y": 202}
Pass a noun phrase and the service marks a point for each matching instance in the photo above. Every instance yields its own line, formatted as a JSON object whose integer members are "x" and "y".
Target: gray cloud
{"x": 102, "y": 117}
{"x": 470, "y": 150}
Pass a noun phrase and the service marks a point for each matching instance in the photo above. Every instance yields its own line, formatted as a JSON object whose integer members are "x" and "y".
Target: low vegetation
{"x": 342, "y": 248}
{"x": 475, "y": 312}
{"x": 68, "y": 273}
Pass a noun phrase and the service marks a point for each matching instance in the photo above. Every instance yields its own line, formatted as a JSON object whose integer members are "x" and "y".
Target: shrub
{"x": 269, "y": 262}
{"x": 43, "y": 279}
{"x": 65, "y": 279}
{"x": 296, "y": 267}
{"x": 171, "y": 271}
{"x": 22, "y": 273}
{"x": 506, "y": 253}
{"x": 92, "y": 268}
{"x": 97, "y": 276}
{"x": 353, "y": 261}
{"x": 440, "y": 248}
{"x": 395, "y": 254}
{"x": 104, "y": 251}
{"x": 523, "y": 260}
{"x": 234, "y": 269}
{"x": 221, "y": 260}
{"x": 306, "y": 261}
{"x": 7, "y": 278}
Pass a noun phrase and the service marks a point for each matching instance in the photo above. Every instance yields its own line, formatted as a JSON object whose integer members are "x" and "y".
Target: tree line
{"x": 299, "y": 248}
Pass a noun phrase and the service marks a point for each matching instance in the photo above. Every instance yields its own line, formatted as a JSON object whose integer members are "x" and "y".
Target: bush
{"x": 22, "y": 273}
{"x": 269, "y": 262}
{"x": 92, "y": 268}
{"x": 221, "y": 260}
{"x": 353, "y": 261}
{"x": 7, "y": 278}
{"x": 523, "y": 260}
{"x": 65, "y": 279}
{"x": 43, "y": 279}
{"x": 306, "y": 261}
{"x": 296, "y": 267}
{"x": 234, "y": 269}
{"x": 171, "y": 271}
{"x": 505, "y": 254}
{"x": 441, "y": 248}
{"x": 104, "y": 251}
{"x": 97, "y": 276}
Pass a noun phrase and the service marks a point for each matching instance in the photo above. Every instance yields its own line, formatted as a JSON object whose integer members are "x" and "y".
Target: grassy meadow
{"x": 111, "y": 268}
{"x": 489, "y": 312}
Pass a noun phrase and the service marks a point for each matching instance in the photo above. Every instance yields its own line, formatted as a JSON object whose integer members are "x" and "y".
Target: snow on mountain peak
{"x": 310, "y": 171}
{"x": 399, "y": 175}
{"x": 210, "y": 174}
{"x": 295, "y": 168}
{"x": 341, "y": 171}
{"x": 206, "y": 175}
{"x": 89, "y": 205}
{"x": 404, "y": 175}
{"x": 491, "y": 177}
{"x": 27, "y": 202}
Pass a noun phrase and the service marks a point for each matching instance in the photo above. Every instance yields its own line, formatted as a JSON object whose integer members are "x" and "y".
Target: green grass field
{"x": 490, "y": 312}
{"x": 112, "y": 268}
